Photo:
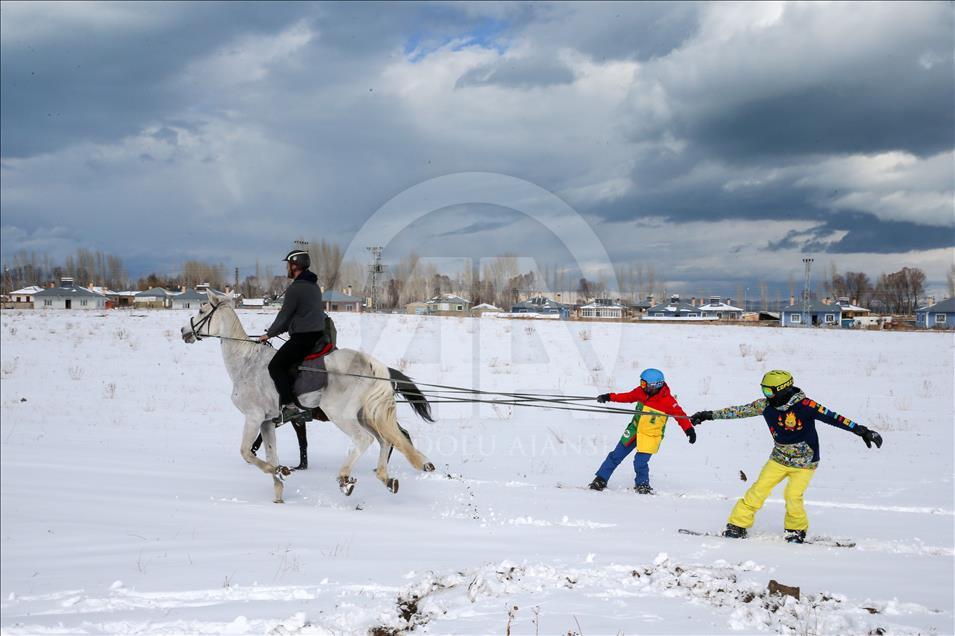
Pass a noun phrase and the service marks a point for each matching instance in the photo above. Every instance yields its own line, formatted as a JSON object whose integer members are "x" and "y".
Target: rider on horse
{"x": 303, "y": 317}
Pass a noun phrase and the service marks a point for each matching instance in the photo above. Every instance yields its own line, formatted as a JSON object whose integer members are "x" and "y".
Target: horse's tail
{"x": 379, "y": 411}
{"x": 412, "y": 394}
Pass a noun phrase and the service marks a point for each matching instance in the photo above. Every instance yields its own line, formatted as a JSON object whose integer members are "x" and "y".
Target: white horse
{"x": 359, "y": 398}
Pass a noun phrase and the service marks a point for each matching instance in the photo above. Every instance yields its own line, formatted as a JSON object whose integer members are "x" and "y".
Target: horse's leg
{"x": 392, "y": 434}
{"x": 272, "y": 455}
{"x": 384, "y": 451}
{"x": 302, "y": 445}
{"x": 253, "y": 425}
{"x": 361, "y": 440}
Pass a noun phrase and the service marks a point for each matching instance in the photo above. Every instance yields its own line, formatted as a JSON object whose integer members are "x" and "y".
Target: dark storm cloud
{"x": 915, "y": 112}
{"x": 868, "y": 234}
{"x": 83, "y": 85}
{"x": 221, "y": 130}
{"x": 615, "y": 30}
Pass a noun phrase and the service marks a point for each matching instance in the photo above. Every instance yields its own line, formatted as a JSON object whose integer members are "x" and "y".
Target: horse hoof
{"x": 346, "y": 485}
{"x": 428, "y": 468}
{"x": 279, "y": 501}
{"x": 392, "y": 485}
{"x": 282, "y": 472}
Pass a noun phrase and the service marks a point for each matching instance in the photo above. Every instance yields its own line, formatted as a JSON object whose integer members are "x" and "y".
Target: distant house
{"x": 940, "y": 315}
{"x": 816, "y": 313}
{"x": 155, "y": 297}
{"x": 123, "y": 298}
{"x": 23, "y": 298}
{"x": 485, "y": 308}
{"x": 602, "y": 308}
{"x": 541, "y": 306}
{"x": 448, "y": 303}
{"x": 254, "y": 303}
{"x": 417, "y": 308}
{"x": 338, "y": 301}
{"x": 640, "y": 307}
{"x": 720, "y": 310}
{"x": 851, "y": 314}
{"x": 675, "y": 310}
{"x": 189, "y": 299}
{"x": 68, "y": 296}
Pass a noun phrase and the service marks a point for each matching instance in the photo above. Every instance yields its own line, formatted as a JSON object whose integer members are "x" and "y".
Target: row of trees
{"x": 899, "y": 292}
{"x": 498, "y": 281}
{"x": 86, "y": 267}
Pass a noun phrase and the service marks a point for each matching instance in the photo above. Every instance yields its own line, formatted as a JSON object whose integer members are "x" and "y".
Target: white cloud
{"x": 894, "y": 186}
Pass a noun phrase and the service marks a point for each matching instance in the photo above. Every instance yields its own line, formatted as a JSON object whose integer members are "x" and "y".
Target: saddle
{"x": 310, "y": 376}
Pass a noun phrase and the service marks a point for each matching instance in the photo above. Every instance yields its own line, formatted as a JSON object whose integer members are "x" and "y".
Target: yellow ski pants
{"x": 773, "y": 472}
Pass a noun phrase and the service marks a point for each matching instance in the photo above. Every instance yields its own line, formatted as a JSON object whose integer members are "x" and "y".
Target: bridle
{"x": 196, "y": 327}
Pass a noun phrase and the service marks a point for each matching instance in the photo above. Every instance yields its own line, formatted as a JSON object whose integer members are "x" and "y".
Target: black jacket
{"x": 302, "y": 311}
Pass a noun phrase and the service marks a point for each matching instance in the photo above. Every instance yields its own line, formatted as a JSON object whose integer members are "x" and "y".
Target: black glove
{"x": 691, "y": 435}
{"x": 603, "y": 398}
{"x": 869, "y": 436}
{"x": 701, "y": 416}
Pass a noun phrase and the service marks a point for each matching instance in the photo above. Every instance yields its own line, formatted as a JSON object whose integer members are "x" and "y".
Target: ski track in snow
{"x": 132, "y": 512}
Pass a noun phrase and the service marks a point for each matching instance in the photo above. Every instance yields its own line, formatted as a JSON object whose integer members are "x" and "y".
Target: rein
{"x": 204, "y": 322}
{"x": 438, "y": 394}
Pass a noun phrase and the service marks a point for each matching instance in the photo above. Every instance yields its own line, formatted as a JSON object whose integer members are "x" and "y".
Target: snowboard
{"x": 823, "y": 541}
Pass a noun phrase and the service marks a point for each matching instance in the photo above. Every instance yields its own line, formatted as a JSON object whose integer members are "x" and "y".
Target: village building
{"x": 717, "y": 308}
{"x": 852, "y": 314}
{"x": 640, "y": 307}
{"x": 602, "y": 308}
{"x": 418, "y": 308}
{"x": 815, "y": 313}
{"x": 485, "y": 308}
{"x": 153, "y": 298}
{"x": 541, "y": 306}
{"x": 448, "y": 303}
{"x": 939, "y": 315}
{"x": 68, "y": 296}
{"x": 23, "y": 298}
{"x": 675, "y": 310}
{"x": 339, "y": 301}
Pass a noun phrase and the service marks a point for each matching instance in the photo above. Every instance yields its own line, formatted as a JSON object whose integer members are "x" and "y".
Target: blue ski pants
{"x": 641, "y": 464}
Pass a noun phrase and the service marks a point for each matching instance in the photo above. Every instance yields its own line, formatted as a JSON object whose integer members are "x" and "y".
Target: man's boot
{"x": 599, "y": 483}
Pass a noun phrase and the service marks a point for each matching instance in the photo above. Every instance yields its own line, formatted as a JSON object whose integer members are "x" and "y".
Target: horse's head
{"x": 201, "y": 326}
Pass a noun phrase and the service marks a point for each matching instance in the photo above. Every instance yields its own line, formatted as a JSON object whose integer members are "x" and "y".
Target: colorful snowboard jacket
{"x": 649, "y": 421}
{"x": 792, "y": 425}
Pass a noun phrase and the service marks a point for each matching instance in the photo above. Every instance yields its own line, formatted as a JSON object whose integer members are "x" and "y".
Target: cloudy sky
{"x": 720, "y": 143}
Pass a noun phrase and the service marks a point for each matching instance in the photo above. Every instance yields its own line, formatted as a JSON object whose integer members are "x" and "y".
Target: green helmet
{"x": 775, "y": 381}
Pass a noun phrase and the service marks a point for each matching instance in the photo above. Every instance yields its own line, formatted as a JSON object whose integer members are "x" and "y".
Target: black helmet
{"x": 298, "y": 257}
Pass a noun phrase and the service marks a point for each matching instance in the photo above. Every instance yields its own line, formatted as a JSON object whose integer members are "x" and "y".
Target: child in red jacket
{"x": 645, "y": 432}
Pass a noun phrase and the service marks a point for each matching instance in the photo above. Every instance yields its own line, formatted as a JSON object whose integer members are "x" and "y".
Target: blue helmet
{"x": 653, "y": 378}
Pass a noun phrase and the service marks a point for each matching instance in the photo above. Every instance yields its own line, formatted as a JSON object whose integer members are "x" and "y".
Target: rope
{"x": 541, "y": 401}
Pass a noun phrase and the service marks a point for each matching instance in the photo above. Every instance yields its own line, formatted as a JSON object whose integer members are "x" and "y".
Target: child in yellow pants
{"x": 773, "y": 472}
{"x": 791, "y": 418}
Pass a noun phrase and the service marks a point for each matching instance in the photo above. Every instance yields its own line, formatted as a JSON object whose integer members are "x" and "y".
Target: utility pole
{"x": 375, "y": 270}
{"x": 235, "y": 290}
{"x": 807, "y": 319}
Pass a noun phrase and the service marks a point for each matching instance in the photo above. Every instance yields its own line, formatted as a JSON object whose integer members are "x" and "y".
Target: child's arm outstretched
{"x": 730, "y": 412}
{"x": 832, "y": 418}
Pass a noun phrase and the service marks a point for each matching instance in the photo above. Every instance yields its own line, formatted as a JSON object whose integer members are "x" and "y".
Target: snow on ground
{"x": 127, "y": 508}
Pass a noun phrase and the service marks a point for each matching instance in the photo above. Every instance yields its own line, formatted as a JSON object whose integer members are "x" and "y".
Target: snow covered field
{"x": 127, "y": 508}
